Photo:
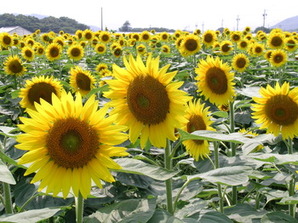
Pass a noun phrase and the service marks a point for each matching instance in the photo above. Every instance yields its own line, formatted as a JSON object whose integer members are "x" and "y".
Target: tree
{"x": 126, "y": 27}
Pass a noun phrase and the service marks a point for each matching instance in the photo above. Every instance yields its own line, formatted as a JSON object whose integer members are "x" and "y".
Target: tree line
{"x": 46, "y": 24}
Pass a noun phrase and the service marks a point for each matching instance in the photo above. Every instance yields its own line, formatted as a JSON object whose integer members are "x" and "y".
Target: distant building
{"x": 15, "y": 29}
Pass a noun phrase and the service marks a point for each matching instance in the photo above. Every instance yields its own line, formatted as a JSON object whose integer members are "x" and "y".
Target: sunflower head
{"x": 277, "y": 110}
{"x": 13, "y": 65}
{"x": 190, "y": 45}
{"x": 81, "y": 80}
{"x": 278, "y": 57}
{"x": 39, "y": 88}
{"x": 53, "y": 51}
{"x": 145, "y": 100}
{"x": 28, "y": 53}
{"x": 70, "y": 145}
{"x": 75, "y": 52}
{"x": 215, "y": 81}
{"x": 198, "y": 118}
{"x": 240, "y": 62}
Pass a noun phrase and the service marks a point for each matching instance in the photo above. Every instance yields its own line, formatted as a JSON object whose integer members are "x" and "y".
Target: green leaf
{"x": 249, "y": 91}
{"x": 231, "y": 176}
{"x": 244, "y": 213}
{"x": 30, "y": 216}
{"x": 289, "y": 200}
{"x": 126, "y": 211}
{"x": 214, "y": 136}
{"x": 221, "y": 114}
{"x": 7, "y": 131}
{"x": 95, "y": 90}
{"x": 214, "y": 217}
{"x": 162, "y": 216}
{"x": 5, "y": 174}
{"x": 139, "y": 167}
{"x": 280, "y": 159}
{"x": 278, "y": 216}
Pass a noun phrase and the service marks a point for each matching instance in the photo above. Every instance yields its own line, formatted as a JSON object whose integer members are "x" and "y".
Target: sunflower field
{"x": 101, "y": 126}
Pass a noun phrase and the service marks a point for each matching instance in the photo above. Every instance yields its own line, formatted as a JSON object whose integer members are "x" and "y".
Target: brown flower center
{"x": 41, "y": 90}
{"x": 191, "y": 45}
{"x": 83, "y": 82}
{"x": 196, "y": 122}
{"x": 217, "y": 80}
{"x": 72, "y": 143}
{"x": 148, "y": 100}
{"x": 282, "y": 110}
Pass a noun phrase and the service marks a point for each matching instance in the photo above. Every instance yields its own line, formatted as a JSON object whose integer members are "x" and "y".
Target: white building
{"x": 15, "y": 29}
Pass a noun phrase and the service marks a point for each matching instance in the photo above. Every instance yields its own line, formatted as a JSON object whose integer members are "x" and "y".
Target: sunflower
{"x": 165, "y": 49}
{"x": 277, "y": 110}
{"x": 70, "y": 145}
{"x": 146, "y": 101}
{"x": 257, "y": 49}
{"x": 215, "y": 81}
{"x": 88, "y": 35}
{"x": 145, "y": 36}
{"x": 141, "y": 49}
{"x": 291, "y": 44}
{"x": 243, "y": 44}
{"x": 101, "y": 67}
{"x": 39, "y": 49}
{"x": 226, "y": 47}
{"x": 81, "y": 80}
{"x": 275, "y": 40}
{"x": 209, "y": 37}
{"x": 190, "y": 45}
{"x": 100, "y": 48}
{"x": 13, "y": 65}
{"x": 240, "y": 62}
{"x": 75, "y": 52}
{"x": 53, "y": 51}
{"x": 6, "y": 40}
{"x": 39, "y": 88}
{"x": 278, "y": 57}
{"x": 28, "y": 53}
{"x": 117, "y": 52}
{"x": 235, "y": 36}
{"x": 250, "y": 134}
{"x": 105, "y": 37}
{"x": 198, "y": 118}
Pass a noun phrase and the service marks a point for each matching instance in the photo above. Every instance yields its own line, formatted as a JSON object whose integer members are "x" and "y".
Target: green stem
{"x": 79, "y": 208}
{"x": 173, "y": 152}
{"x": 291, "y": 189}
{"x": 7, "y": 198}
{"x": 233, "y": 147}
{"x": 169, "y": 166}
{"x": 216, "y": 161}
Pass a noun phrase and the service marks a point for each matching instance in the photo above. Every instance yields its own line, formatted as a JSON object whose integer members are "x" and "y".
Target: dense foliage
{"x": 46, "y": 24}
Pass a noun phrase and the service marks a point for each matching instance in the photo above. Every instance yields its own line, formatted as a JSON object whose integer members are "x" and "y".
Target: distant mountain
{"x": 289, "y": 24}
{"x": 39, "y": 16}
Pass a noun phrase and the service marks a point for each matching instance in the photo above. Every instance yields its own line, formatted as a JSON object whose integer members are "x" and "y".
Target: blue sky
{"x": 187, "y": 14}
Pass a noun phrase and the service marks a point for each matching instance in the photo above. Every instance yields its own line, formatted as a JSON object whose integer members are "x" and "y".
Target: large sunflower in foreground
{"x": 147, "y": 101}
{"x": 13, "y": 65}
{"x": 277, "y": 110}
{"x": 39, "y": 88}
{"x": 215, "y": 81}
{"x": 70, "y": 145}
{"x": 198, "y": 118}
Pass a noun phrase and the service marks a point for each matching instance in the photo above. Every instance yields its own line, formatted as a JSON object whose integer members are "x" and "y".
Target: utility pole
{"x": 238, "y": 19}
{"x": 264, "y": 17}
{"x": 101, "y": 19}
{"x": 222, "y": 23}
{"x": 203, "y": 27}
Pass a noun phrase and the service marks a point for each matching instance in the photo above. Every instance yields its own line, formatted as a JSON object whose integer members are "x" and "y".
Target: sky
{"x": 184, "y": 15}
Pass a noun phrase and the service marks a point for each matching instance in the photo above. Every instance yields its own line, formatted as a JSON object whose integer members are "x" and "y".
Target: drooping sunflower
{"x": 240, "y": 62}
{"x": 146, "y": 100}
{"x": 190, "y": 45}
{"x": 13, "y": 65}
{"x": 278, "y": 57}
{"x": 81, "y": 80}
{"x": 70, "y": 145}
{"x": 198, "y": 117}
{"x": 39, "y": 88}
{"x": 28, "y": 53}
{"x": 277, "y": 110}
{"x": 53, "y": 51}
{"x": 75, "y": 52}
{"x": 215, "y": 81}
